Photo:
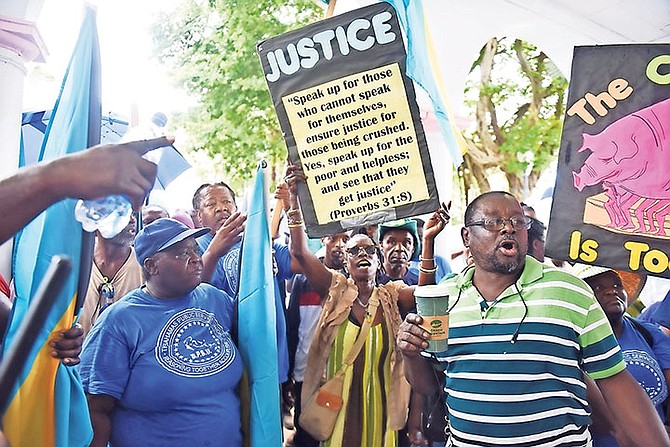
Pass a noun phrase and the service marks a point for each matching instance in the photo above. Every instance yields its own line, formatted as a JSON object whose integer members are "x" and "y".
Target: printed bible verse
{"x": 357, "y": 143}
{"x": 350, "y": 118}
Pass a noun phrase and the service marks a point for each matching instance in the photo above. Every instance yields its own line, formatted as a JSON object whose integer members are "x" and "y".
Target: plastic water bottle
{"x": 110, "y": 215}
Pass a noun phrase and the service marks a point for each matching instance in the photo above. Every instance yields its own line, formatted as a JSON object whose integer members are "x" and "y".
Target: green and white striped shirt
{"x": 530, "y": 391}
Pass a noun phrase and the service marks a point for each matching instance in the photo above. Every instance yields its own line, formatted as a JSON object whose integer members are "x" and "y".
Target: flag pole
{"x": 31, "y": 325}
{"x": 331, "y": 8}
{"x": 94, "y": 123}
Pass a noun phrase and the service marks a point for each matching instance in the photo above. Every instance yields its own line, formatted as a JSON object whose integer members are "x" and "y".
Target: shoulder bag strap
{"x": 365, "y": 327}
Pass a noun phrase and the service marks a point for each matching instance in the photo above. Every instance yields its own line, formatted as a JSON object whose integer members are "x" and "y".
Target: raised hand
{"x": 436, "y": 223}
{"x": 228, "y": 234}
{"x": 109, "y": 169}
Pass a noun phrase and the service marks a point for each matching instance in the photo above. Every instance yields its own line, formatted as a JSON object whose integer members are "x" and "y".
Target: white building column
{"x": 20, "y": 43}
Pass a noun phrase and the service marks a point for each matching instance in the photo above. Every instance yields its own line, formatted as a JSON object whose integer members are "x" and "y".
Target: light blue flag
{"x": 48, "y": 406}
{"x": 257, "y": 323}
{"x": 421, "y": 67}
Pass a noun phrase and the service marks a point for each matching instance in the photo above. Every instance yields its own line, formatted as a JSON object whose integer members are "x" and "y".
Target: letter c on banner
{"x": 352, "y": 35}
{"x": 652, "y": 70}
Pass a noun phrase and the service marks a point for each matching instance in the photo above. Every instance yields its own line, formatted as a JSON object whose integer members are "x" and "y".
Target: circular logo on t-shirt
{"x": 194, "y": 344}
{"x": 231, "y": 265}
{"x": 647, "y": 372}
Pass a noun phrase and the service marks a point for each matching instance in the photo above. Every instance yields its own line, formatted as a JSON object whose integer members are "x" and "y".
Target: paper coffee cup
{"x": 432, "y": 303}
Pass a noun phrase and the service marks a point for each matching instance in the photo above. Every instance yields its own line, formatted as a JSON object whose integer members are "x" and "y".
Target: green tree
{"x": 210, "y": 46}
{"x": 518, "y": 116}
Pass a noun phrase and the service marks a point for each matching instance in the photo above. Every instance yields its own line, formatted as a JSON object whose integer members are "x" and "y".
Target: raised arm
{"x": 431, "y": 229}
{"x": 89, "y": 174}
{"x": 226, "y": 236}
{"x": 318, "y": 276}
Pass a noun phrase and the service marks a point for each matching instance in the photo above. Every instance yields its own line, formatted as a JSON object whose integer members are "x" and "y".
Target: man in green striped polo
{"x": 521, "y": 333}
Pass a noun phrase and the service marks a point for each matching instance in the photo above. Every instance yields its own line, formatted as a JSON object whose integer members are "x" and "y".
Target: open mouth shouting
{"x": 364, "y": 263}
{"x": 509, "y": 247}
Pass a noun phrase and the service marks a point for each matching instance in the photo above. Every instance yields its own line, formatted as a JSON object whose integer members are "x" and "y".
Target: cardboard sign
{"x": 350, "y": 118}
{"x": 611, "y": 203}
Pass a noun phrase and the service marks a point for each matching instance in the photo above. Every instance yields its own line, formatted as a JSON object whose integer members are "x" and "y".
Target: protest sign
{"x": 350, "y": 118}
{"x": 612, "y": 197}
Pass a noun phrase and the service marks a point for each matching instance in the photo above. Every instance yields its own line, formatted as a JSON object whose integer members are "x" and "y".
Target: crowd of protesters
{"x": 533, "y": 349}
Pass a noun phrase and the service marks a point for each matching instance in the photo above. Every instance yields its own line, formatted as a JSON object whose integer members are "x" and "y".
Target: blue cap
{"x": 403, "y": 224}
{"x": 161, "y": 234}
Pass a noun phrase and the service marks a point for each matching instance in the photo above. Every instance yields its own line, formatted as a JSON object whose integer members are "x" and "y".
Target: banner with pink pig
{"x": 611, "y": 204}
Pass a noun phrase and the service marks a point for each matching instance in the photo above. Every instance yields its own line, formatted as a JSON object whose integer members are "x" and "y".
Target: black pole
{"x": 40, "y": 306}
{"x": 85, "y": 267}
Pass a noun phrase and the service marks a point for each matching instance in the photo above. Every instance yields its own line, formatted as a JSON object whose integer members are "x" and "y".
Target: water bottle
{"x": 110, "y": 215}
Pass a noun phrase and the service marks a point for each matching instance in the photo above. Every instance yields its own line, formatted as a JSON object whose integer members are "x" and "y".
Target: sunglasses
{"x": 355, "y": 251}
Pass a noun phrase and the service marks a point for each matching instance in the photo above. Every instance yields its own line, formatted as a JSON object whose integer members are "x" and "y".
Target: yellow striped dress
{"x": 363, "y": 419}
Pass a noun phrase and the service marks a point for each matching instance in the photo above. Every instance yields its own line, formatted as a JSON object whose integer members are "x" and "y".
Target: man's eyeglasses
{"x": 355, "y": 251}
{"x": 497, "y": 224}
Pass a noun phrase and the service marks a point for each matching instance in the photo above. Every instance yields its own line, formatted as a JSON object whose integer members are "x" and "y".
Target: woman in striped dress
{"x": 375, "y": 394}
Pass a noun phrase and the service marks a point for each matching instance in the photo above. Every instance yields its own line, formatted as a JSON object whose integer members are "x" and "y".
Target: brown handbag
{"x": 319, "y": 413}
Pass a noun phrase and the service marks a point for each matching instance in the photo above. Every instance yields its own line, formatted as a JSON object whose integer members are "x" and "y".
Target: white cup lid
{"x": 432, "y": 291}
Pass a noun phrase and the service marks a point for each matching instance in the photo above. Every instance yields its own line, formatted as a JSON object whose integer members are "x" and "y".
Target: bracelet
{"x": 421, "y": 259}
{"x": 290, "y": 213}
{"x": 423, "y": 270}
{"x": 295, "y": 223}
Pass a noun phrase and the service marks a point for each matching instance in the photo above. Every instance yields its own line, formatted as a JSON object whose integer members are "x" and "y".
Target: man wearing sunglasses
{"x": 520, "y": 331}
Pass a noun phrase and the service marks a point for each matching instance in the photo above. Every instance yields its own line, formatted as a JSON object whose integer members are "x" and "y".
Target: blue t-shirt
{"x": 226, "y": 277}
{"x": 658, "y": 313}
{"x": 646, "y": 365}
{"x": 171, "y": 365}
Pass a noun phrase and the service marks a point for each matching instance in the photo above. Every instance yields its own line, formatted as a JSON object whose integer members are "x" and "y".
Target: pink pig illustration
{"x": 629, "y": 159}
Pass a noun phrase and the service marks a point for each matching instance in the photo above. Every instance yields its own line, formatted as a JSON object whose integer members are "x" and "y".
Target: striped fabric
{"x": 531, "y": 392}
{"x": 363, "y": 417}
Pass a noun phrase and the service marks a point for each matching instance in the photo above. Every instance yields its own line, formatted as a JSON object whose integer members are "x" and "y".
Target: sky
{"x": 130, "y": 74}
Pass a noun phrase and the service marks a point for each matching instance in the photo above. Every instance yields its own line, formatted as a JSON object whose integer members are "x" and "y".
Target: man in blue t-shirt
{"x": 160, "y": 367}
{"x": 221, "y": 249}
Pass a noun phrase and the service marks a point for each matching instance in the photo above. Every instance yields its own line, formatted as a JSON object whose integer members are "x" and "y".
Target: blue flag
{"x": 423, "y": 68}
{"x": 257, "y": 323}
{"x": 48, "y": 406}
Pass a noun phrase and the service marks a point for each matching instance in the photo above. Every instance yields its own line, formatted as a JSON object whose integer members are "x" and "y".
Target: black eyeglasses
{"x": 184, "y": 253}
{"x": 355, "y": 251}
{"x": 497, "y": 224}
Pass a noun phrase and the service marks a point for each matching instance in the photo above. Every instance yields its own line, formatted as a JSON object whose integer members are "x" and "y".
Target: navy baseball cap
{"x": 161, "y": 234}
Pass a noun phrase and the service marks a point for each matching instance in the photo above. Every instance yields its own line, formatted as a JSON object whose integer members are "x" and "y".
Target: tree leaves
{"x": 210, "y": 47}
